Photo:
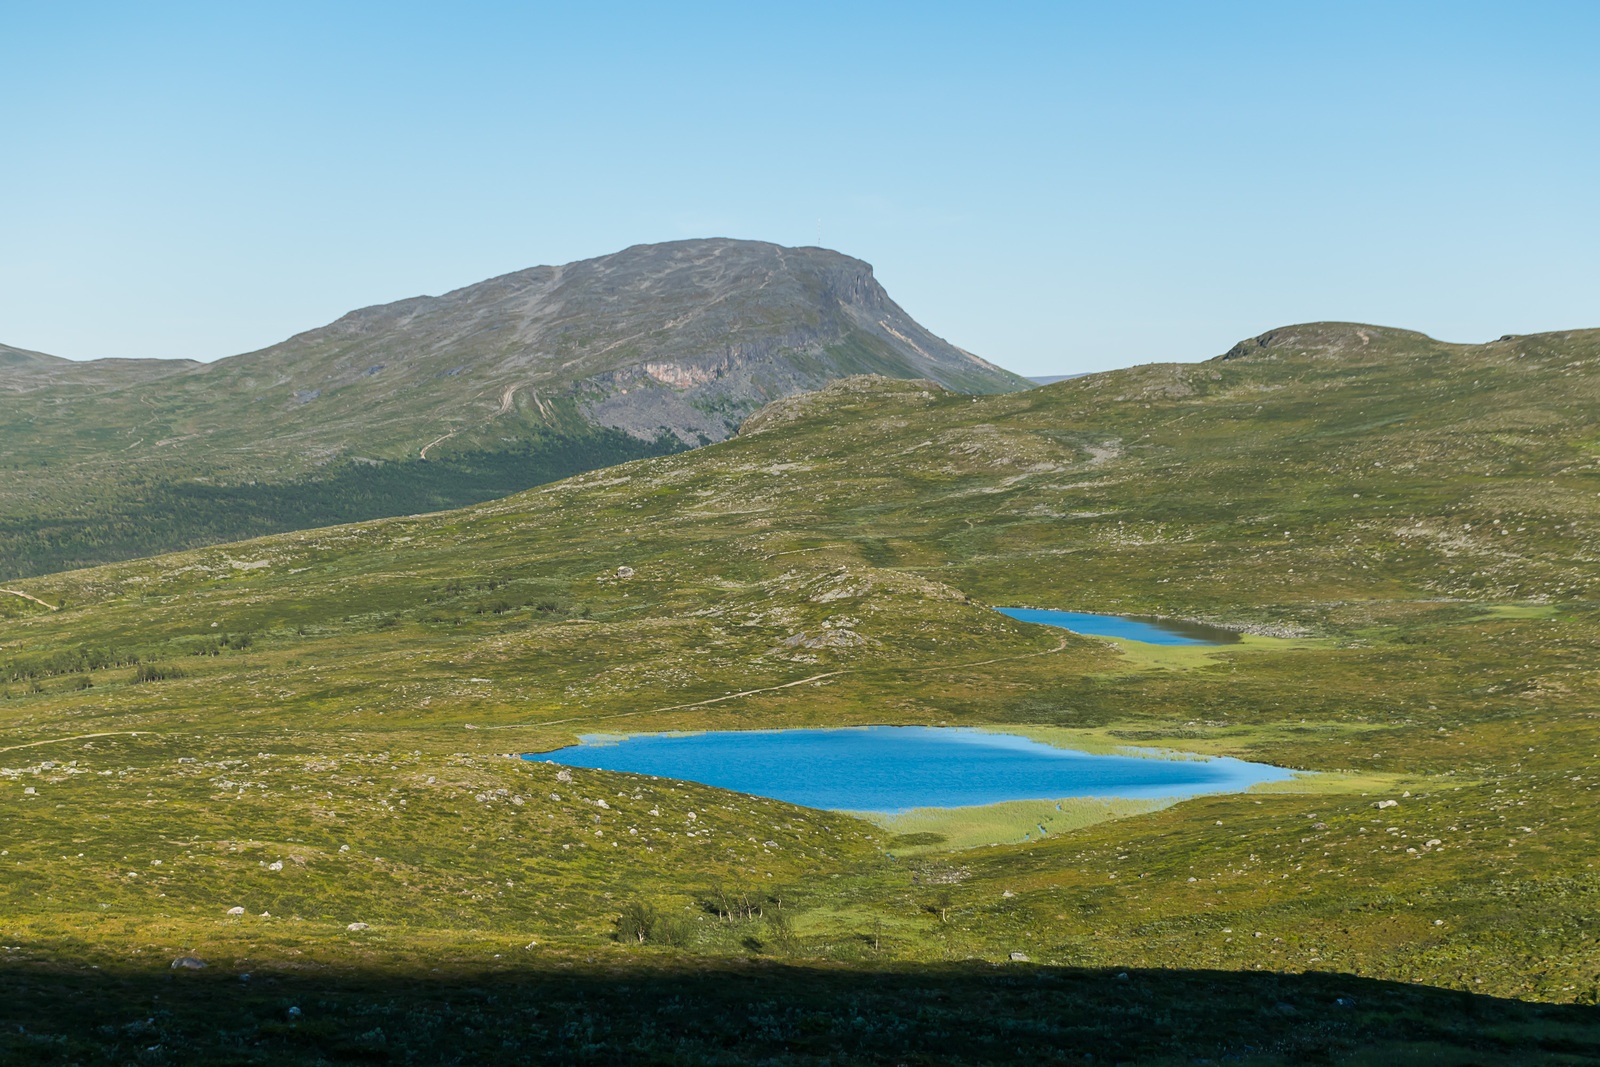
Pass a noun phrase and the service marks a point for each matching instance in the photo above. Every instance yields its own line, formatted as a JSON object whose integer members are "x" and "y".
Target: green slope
{"x": 1407, "y": 529}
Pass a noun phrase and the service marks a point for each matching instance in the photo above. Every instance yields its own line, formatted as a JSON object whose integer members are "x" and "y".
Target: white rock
{"x": 1019, "y": 957}
{"x": 275, "y": 865}
{"x": 358, "y": 926}
{"x": 625, "y": 572}
{"x": 236, "y": 911}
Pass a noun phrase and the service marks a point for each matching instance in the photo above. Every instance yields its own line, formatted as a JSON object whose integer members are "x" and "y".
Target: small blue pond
{"x": 1130, "y": 627}
{"x": 896, "y": 768}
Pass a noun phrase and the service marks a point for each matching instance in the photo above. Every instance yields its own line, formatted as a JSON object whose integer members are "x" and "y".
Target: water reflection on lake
{"x": 1144, "y": 628}
{"x": 896, "y": 768}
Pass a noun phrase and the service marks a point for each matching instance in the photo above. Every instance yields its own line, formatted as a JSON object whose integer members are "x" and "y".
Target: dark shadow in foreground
{"x": 685, "y": 1011}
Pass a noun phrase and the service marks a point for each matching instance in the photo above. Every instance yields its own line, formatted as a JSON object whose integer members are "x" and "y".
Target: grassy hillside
{"x": 435, "y": 402}
{"x": 315, "y": 725}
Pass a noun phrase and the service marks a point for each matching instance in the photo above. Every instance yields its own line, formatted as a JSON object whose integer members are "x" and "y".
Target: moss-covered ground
{"x": 317, "y": 728}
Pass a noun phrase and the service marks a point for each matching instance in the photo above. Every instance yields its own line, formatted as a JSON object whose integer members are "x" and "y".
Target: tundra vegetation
{"x": 293, "y": 758}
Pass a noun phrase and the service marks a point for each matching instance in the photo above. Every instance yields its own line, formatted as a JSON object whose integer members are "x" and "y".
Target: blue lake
{"x": 895, "y": 768}
{"x": 1130, "y": 627}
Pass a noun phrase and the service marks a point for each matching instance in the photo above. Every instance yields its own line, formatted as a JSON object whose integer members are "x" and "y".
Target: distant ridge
{"x": 437, "y": 401}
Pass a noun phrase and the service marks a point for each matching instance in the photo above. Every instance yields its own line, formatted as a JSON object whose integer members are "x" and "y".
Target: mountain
{"x": 315, "y": 725}
{"x": 438, "y": 401}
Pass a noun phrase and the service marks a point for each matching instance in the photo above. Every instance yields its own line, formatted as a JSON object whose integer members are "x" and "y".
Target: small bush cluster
{"x": 216, "y": 646}
{"x": 67, "y": 661}
{"x": 156, "y": 672}
{"x": 642, "y": 924}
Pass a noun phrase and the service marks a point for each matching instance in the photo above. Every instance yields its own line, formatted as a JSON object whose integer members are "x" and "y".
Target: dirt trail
{"x": 77, "y": 737}
{"x": 438, "y": 441}
{"x": 29, "y": 596}
{"x": 507, "y": 402}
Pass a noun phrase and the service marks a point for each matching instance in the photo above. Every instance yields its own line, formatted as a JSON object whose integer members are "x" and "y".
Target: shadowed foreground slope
{"x": 570, "y": 1011}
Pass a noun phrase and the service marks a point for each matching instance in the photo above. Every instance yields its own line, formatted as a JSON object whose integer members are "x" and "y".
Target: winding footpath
{"x": 29, "y": 596}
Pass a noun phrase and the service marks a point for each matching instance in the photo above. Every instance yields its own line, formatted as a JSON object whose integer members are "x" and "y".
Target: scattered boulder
{"x": 188, "y": 963}
{"x": 828, "y": 638}
{"x": 625, "y": 572}
{"x": 235, "y": 911}
{"x": 275, "y": 865}
{"x": 353, "y": 927}
{"x": 1019, "y": 957}
{"x": 1387, "y": 804}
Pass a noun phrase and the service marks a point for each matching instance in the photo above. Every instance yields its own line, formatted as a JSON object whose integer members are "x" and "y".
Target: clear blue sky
{"x": 1058, "y": 186}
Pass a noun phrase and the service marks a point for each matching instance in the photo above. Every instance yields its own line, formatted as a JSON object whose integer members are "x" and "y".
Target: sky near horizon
{"x": 1059, "y": 187}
